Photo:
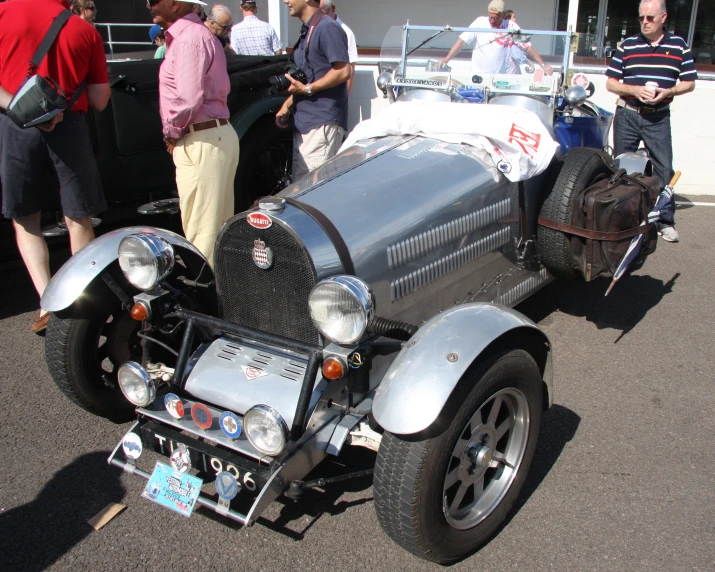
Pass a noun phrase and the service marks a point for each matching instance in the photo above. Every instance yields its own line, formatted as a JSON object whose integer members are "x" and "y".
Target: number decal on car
{"x": 216, "y": 465}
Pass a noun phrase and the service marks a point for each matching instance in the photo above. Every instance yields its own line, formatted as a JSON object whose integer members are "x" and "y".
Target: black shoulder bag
{"x": 39, "y": 99}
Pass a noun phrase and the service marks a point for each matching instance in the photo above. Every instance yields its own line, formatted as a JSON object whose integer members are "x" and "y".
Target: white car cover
{"x": 516, "y": 139}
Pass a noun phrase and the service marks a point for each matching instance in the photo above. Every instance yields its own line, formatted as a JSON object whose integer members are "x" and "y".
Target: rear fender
{"x": 79, "y": 271}
{"x": 417, "y": 385}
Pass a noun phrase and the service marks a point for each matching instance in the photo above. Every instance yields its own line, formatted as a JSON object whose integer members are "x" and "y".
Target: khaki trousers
{"x": 313, "y": 149}
{"x": 206, "y": 163}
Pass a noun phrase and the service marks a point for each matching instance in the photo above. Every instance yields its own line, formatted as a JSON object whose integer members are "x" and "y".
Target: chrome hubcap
{"x": 486, "y": 459}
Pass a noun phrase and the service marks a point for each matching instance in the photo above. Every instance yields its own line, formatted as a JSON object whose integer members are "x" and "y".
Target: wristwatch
{"x": 308, "y": 91}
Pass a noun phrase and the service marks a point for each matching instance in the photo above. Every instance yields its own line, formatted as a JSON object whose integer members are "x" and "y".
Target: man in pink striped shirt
{"x": 193, "y": 88}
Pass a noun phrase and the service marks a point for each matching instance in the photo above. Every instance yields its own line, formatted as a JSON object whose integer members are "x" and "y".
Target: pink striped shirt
{"x": 193, "y": 79}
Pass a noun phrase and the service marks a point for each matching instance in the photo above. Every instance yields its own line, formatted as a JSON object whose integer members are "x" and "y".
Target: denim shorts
{"x": 37, "y": 168}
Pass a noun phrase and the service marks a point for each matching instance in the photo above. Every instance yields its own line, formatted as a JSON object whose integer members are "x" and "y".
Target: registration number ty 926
{"x": 209, "y": 463}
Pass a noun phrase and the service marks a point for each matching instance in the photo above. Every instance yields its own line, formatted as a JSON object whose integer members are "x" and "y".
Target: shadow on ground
{"x": 297, "y": 517}
{"x": 627, "y": 304}
{"x": 38, "y": 533}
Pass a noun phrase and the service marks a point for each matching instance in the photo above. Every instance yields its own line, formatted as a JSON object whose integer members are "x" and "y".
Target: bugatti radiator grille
{"x": 274, "y": 300}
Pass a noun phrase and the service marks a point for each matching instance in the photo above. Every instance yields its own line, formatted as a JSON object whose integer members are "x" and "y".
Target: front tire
{"x": 443, "y": 498}
{"x": 84, "y": 348}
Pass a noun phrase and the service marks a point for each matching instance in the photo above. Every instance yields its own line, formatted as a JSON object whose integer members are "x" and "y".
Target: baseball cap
{"x": 247, "y": 2}
{"x": 154, "y": 31}
{"x": 193, "y": 2}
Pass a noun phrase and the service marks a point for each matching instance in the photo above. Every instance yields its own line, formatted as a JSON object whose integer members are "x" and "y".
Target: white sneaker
{"x": 669, "y": 234}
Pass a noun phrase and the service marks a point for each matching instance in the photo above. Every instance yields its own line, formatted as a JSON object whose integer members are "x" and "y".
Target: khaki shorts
{"x": 312, "y": 149}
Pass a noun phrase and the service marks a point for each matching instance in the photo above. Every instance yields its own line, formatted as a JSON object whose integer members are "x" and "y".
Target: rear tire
{"x": 266, "y": 160}
{"x": 417, "y": 484}
{"x": 84, "y": 349}
{"x": 581, "y": 168}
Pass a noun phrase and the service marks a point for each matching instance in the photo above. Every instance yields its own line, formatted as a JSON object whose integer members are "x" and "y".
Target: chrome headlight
{"x": 341, "y": 308}
{"x": 266, "y": 430}
{"x": 136, "y": 384}
{"x": 145, "y": 259}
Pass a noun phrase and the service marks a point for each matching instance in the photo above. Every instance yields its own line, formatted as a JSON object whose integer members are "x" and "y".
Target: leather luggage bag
{"x": 606, "y": 217}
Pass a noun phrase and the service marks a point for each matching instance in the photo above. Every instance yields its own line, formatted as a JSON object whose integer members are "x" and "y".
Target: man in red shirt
{"x": 57, "y": 155}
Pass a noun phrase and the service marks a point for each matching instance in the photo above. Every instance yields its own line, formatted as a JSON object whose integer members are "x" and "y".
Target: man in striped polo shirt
{"x": 644, "y": 73}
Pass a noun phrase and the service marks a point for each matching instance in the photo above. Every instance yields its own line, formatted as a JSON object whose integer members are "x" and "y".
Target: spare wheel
{"x": 581, "y": 168}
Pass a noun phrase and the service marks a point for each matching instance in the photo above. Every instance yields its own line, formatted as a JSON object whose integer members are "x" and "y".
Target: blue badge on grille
{"x": 226, "y": 486}
{"x": 230, "y": 425}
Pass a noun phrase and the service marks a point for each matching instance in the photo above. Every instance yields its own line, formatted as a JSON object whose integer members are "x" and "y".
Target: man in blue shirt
{"x": 647, "y": 71}
{"x": 320, "y": 106}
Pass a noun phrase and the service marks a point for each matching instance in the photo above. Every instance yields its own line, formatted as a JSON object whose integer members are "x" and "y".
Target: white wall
{"x": 370, "y": 19}
{"x": 692, "y": 118}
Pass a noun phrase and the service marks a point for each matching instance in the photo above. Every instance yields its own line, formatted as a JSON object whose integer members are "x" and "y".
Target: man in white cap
{"x": 193, "y": 89}
{"x": 492, "y": 51}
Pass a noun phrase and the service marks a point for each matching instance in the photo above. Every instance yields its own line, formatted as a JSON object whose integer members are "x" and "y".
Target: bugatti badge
{"x": 262, "y": 255}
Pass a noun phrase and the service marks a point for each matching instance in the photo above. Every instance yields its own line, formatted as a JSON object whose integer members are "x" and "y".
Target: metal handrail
{"x": 112, "y": 43}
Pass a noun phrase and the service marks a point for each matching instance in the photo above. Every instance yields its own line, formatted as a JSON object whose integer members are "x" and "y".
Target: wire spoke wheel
{"x": 486, "y": 459}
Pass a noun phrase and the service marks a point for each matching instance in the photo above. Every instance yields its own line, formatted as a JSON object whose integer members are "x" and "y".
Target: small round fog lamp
{"x": 266, "y": 430}
{"x": 136, "y": 384}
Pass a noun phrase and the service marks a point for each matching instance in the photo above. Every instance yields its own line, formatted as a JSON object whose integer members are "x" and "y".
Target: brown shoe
{"x": 40, "y": 324}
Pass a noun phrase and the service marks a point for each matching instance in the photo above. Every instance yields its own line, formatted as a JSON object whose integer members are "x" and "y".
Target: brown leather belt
{"x": 210, "y": 124}
{"x": 642, "y": 110}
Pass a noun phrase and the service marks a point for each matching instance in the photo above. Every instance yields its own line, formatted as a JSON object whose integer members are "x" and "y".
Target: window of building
{"x": 603, "y": 24}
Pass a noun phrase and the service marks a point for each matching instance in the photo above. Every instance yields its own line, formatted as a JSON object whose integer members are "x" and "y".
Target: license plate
{"x": 201, "y": 460}
{"x": 172, "y": 489}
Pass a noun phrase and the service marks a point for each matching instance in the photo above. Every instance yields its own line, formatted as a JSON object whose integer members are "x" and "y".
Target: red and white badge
{"x": 580, "y": 79}
{"x": 253, "y": 372}
{"x": 180, "y": 459}
{"x": 262, "y": 255}
{"x": 173, "y": 405}
{"x": 259, "y": 220}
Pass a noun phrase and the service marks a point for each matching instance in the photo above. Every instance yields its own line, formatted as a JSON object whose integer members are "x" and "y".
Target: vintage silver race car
{"x": 367, "y": 305}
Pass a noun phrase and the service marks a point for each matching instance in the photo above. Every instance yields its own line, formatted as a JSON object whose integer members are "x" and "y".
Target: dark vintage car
{"x": 133, "y": 163}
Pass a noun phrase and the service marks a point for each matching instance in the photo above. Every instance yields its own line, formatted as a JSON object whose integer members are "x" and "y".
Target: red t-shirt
{"x": 77, "y": 53}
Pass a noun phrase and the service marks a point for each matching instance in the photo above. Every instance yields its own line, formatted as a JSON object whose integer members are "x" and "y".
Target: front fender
{"x": 420, "y": 380}
{"x": 79, "y": 271}
{"x": 243, "y": 120}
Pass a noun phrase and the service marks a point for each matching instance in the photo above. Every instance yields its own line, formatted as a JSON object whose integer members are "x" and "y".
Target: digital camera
{"x": 280, "y": 83}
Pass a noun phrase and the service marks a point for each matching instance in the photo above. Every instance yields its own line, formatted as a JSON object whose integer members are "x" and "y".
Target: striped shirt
{"x": 636, "y": 62}
{"x": 253, "y": 37}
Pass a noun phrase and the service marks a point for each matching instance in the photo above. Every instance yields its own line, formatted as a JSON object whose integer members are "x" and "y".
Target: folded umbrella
{"x": 634, "y": 248}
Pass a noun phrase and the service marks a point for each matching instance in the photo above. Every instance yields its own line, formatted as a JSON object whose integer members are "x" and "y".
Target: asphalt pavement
{"x": 623, "y": 478}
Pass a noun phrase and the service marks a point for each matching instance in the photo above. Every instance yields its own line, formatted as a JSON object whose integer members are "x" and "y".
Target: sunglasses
{"x": 91, "y": 8}
{"x": 495, "y": 18}
{"x": 227, "y": 28}
{"x": 649, "y": 17}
